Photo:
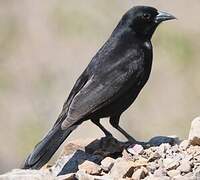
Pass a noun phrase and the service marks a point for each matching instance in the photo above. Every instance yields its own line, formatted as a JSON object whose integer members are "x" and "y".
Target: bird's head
{"x": 143, "y": 20}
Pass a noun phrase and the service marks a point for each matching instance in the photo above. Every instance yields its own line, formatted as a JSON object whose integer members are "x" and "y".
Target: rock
{"x": 70, "y": 176}
{"x": 170, "y": 163}
{"x": 194, "y": 134}
{"x": 158, "y": 140}
{"x": 163, "y": 148}
{"x": 71, "y": 148}
{"x": 173, "y": 173}
{"x": 160, "y": 172}
{"x": 154, "y": 156}
{"x": 140, "y": 162}
{"x": 90, "y": 168}
{"x": 107, "y": 163}
{"x": 108, "y": 159}
{"x": 152, "y": 167}
{"x": 18, "y": 174}
{"x": 180, "y": 177}
{"x": 196, "y": 172}
{"x": 140, "y": 174}
{"x": 190, "y": 175}
{"x": 122, "y": 168}
{"x": 80, "y": 175}
{"x": 157, "y": 178}
{"x": 135, "y": 149}
{"x": 127, "y": 155}
{"x": 184, "y": 144}
{"x": 185, "y": 166}
{"x": 69, "y": 164}
{"x": 107, "y": 146}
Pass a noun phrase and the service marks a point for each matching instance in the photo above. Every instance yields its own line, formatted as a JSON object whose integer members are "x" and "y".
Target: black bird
{"x": 110, "y": 83}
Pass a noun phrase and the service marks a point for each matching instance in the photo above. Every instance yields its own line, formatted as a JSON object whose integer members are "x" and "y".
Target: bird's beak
{"x": 163, "y": 16}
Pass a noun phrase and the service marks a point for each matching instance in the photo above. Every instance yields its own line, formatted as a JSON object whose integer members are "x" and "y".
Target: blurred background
{"x": 44, "y": 47}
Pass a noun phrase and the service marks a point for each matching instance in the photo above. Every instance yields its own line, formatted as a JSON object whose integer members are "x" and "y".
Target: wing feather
{"x": 104, "y": 87}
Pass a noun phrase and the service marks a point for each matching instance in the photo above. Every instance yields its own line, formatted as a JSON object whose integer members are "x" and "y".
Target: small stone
{"x": 70, "y": 148}
{"x": 107, "y": 163}
{"x": 194, "y": 135}
{"x": 173, "y": 173}
{"x": 197, "y": 158}
{"x": 127, "y": 155}
{"x": 180, "y": 177}
{"x": 152, "y": 166}
{"x": 135, "y": 149}
{"x": 157, "y": 178}
{"x": 184, "y": 144}
{"x": 90, "y": 167}
{"x": 191, "y": 176}
{"x": 122, "y": 168}
{"x": 163, "y": 148}
{"x": 154, "y": 156}
{"x": 174, "y": 148}
{"x": 160, "y": 172}
{"x": 140, "y": 174}
{"x": 80, "y": 175}
{"x": 185, "y": 166}
{"x": 193, "y": 150}
{"x": 197, "y": 172}
{"x": 170, "y": 163}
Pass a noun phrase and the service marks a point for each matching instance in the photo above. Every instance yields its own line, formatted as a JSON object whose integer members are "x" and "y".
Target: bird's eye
{"x": 147, "y": 16}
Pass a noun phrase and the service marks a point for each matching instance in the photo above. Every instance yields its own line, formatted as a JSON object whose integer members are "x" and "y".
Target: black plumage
{"x": 110, "y": 83}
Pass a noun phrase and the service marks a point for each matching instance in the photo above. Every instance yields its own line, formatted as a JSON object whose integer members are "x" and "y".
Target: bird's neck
{"x": 132, "y": 34}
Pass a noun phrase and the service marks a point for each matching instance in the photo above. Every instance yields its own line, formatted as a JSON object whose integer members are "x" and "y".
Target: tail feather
{"x": 45, "y": 149}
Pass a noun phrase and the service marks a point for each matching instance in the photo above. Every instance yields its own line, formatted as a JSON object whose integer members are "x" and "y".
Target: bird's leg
{"x": 114, "y": 121}
{"x": 97, "y": 122}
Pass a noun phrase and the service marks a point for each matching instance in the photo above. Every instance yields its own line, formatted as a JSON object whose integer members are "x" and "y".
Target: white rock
{"x": 184, "y": 144}
{"x": 140, "y": 174}
{"x": 173, "y": 173}
{"x": 19, "y": 174}
{"x": 170, "y": 163}
{"x": 107, "y": 163}
{"x": 135, "y": 149}
{"x": 90, "y": 168}
{"x": 185, "y": 166}
{"x": 122, "y": 168}
{"x": 194, "y": 135}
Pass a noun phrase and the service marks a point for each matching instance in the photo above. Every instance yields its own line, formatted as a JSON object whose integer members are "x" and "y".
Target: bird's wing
{"x": 105, "y": 86}
{"x": 82, "y": 80}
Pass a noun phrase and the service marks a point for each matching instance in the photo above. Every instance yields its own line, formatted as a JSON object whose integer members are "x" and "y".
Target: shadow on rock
{"x": 98, "y": 149}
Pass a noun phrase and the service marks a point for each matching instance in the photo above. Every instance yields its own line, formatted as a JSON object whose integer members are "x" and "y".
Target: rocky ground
{"x": 161, "y": 158}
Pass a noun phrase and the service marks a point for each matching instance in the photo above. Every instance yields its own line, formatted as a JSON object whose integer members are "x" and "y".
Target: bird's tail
{"x": 45, "y": 149}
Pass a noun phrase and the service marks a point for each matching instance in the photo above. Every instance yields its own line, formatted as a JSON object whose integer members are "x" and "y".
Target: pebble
{"x": 160, "y": 172}
{"x": 173, "y": 173}
{"x": 90, "y": 167}
{"x": 135, "y": 149}
{"x": 185, "y": 166}
{"x": 184, "y": 144}
{"x": 170, "y": 163}
{"x": 154, "y": 156}
{"x": 139, "y": 174}
{"x": 122, "y": 168}
{"x": 107, "y": 163}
